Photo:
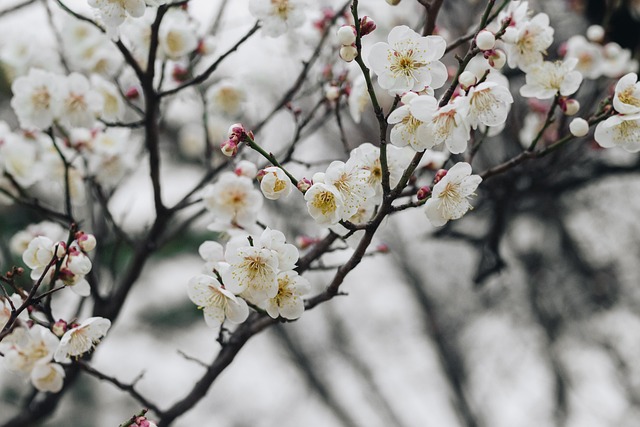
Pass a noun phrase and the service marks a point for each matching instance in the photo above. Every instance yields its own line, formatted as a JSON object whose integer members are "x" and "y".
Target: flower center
{"x": 404, "y": 63}
{"x": 76, "y": 102}
{"x": 628, "y": 130}
{"x": 411, "y": 124}
{"x": 41, "y": 98}
{"x": 325, "y": 201}
{"x": 281, "y": 8}
{"x": 627, "y": 97}
{"x": 279, "y": 185}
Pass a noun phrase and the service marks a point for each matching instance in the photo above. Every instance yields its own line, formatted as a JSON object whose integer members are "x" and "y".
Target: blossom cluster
{"x": 258, "y": 270}
{"x": 40, "y": 353}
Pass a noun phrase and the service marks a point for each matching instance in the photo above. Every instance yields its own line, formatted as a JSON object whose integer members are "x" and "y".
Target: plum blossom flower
{"x": 408, "y": 61}
{"x": 526, "y": 43}
{"x": 217, "y": 303}
{"x": 234, "y": 199}
{"x": 252, "y": 271}
{"x": 489, "y": 104}
{"x": 449, "y": 196}
{"x": 81, "y": 339}
{"x": 449, "y": 126}
{"x": 546, "y": 79}
{"x": 177, "y": 36}
{"x": 80, "y": 103}
{"x": 626, "y": 98}
{"x": 352, "y": 184}
{"x": 30, "y": 347}
{"x": 114, "y": 12}
{"x": 324, "y": 203}
{"x": 288, "y": 302}
{"x": 39, "y": 253}
{"x": 5, "y": 309}
{"x": 408, "y": 118}
{"x": 275, "y": 183}
{"x": 589, "y": 55}
{"x": 48, "y": 377}
{"x": 37, "y": 98}
{"x": 19, "y": 158}
{"x": 620, "y": 131}
{"x": 278, "y": 16}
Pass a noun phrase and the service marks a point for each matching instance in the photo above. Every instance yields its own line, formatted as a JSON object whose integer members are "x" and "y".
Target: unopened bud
{"x": 348, "y": 53}
{"x": 497, "y": 58}
{"x": 132, "y": 93}
{"x": 304, "y": 184}
{"x": 367, "y": 26}
{"x": 595, "y": 33}
{"x": 236, "y": 132}
{"x": 382, "y": 248}
{"x": 439, "y": 175}
{"x": 304, "y": 242}
{"x": 87, "y": 242}
{"x": 485, "y": 40}
{"x": 179, "y": 73}
{"x": 59, "y": 328}
{"x": 246, "y": 168}
{"x": 467, "y": 79}
{"x": 332, "y": 92}
{"x": 423, "y": 192}
{"x": 61, "y": 249}
{"x": 229, "y": 148}
{"x": 579, "y": 127}
{"x": 570, "y": 107}
{"x": 261, "y": 175}
{"x": 346, "y": 35}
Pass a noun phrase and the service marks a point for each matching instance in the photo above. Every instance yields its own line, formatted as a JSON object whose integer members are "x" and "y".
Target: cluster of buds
{"x": 347, "y": 38}
{"x": 237, "y": 134}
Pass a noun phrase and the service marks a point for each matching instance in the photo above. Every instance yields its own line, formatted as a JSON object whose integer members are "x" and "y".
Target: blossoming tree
{"x": 137, "y": 88}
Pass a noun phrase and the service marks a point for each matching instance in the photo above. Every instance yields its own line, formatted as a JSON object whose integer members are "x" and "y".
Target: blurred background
{"x": 524, "y": 313}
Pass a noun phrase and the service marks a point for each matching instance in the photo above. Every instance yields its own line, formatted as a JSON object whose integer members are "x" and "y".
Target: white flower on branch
{"x": 546, "y": 79}
{"x": 217, "y": 303}
{"x": 626, "y": 99}
{"x": 526, "y": 43}
{"x": 278, "y": 16}
{"x": 274, "y": 183}
{"x": 288, "y": 302}
{"x": 29, "y": 347}
{"x": 324, "y": 203}
{"x": 37, "y": 98}
{"x": 252, "y": 271}
{"x": 417, "y": 109}
{"x": 233, "y": 199}
{"x": 352, "y": 184}
{"x": 82, "y": 338}
{"x": 177, "y": 36}
{"x": 409, "y": 61}
{"x": 80, "y": 103}
{"x": 489, "y": 104}
{"x": 449, "y": 198}
{"x": 619, "y": 131}
{"x": 114, "y": 12}
{"x": 449, "y": 126}
{"x": 48, "y": 377}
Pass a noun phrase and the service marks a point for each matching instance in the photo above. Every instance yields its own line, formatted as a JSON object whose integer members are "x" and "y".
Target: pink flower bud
{"x": 304, "y": 184}
{"x": 229, "y": 148}
{"x": 367, "y": 25}
{"x": 132, "y": 93}
{"x": 261, "y": 175}
{"x": 439, "y": 175}
{"x": 87, "y": 242}
{"x": 59, "y": 328}
{"x": 496, "y": 58}
{"x": 382, "y": 248}
{"x": 179, "y": 73}
{"x": 304, "y": 242}
{"x": 569, "y": 106}
{"x": 237, "y": 132}
{"x": 423, "y": 192}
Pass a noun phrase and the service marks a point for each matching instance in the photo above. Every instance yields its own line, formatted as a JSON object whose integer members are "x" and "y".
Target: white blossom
{"x": 278, "y": 16}
{"x": 80, "y": 103}
{"x": 352, "y": 184}
{"x": 489, "y": 104}
{"x": 275, "y": 183}
{"x": 408, "y": 61}
{"x": 408, "y": 118}
{"x": 324, "y": 203}
{"x": 37, "y": 98}
{"x": 234, "y": 199}
{"x": 227, "y": 97}
{"x": 252, "y": 271}
{"x": 589, "y": 55}
{"x": 48, "y": 377}
{"x": 114, "y": 12}
{"x": 19, "y": 158}
{"x": 177, "y": 36}
{"x": 527, "y": 42}
{"x": 626, "y": 99}
{"x": 29, "y": 347}
{"x": 82, "y": 338}
{"x": 113, "y": 107}
{"x": 217, "y": 303}
{"x": 449, "y": 198}
{"x": 448, "y": 126}
{"x": 547, "y": 79}
{"x": 619, "y": 131}
{"x": 275, "y": 240}
{"x": 288, "y": 302}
